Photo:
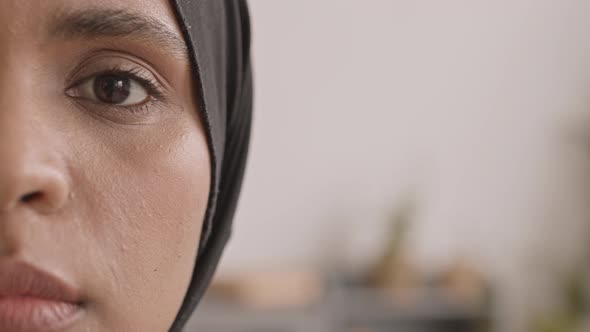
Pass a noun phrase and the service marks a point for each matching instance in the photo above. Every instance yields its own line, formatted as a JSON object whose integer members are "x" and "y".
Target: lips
{"x": 32, "y": 300}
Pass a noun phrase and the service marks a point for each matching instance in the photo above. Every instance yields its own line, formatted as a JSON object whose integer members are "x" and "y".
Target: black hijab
{"x": 217, "y": 33}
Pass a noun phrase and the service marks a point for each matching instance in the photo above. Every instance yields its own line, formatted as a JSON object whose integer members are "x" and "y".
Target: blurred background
{"x": 415, "y": 166}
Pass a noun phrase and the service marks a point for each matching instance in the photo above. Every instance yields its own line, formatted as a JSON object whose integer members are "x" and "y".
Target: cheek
{"x": 142, "y": 200}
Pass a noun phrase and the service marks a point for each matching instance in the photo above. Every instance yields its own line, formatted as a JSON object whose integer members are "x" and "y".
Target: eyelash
{"x": 151, "y": 85}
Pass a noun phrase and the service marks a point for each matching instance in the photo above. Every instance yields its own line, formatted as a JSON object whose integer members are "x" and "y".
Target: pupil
{"x": 112, "y": 89}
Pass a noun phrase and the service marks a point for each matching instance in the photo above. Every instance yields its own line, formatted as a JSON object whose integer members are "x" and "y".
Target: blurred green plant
{"x": 392, "y": 269}
{"x": 570, "y": 317}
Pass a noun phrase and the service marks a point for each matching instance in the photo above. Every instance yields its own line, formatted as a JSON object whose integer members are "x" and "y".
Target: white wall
{"x": 473, "y": 105}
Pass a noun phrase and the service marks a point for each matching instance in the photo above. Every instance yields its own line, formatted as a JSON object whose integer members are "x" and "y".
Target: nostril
{"x": 34, "y": 187}
{"x": 31, "y": 197}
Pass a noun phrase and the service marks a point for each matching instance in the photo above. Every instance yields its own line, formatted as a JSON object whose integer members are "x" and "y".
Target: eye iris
{"x": 112, "y": 89}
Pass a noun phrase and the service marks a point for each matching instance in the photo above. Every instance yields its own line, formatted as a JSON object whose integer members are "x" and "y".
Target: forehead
{"x": 20, "y": 17}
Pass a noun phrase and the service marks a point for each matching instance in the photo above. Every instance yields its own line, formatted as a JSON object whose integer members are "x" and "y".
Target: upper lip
{"x": 20, "y": 279}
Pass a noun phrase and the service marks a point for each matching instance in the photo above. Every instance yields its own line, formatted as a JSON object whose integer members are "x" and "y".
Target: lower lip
{"x": 31, "y": 314}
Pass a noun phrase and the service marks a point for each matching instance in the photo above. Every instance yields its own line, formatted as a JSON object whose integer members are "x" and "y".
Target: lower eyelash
{"x": 135, "y": 114}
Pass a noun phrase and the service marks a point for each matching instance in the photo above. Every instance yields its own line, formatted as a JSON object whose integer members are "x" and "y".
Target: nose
{"x": 27, "y": 183}
{"x": 32, "y": 175}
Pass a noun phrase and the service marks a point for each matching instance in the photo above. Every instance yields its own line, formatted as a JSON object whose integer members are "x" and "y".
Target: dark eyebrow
{"x": 101, "y": 23}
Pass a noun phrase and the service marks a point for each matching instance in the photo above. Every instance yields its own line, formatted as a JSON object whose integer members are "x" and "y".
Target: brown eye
{"x": 113, "y": 89}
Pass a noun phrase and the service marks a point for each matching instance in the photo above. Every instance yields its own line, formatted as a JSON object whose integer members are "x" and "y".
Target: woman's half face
{"x": 104, "y": 166}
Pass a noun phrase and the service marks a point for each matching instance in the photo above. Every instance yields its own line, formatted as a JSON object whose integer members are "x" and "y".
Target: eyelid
{"x": 85, "y": 90}
{"x": 151, "y": 85}
{"x": 145, "y": 112}
{"x": 117, "y": 61}
{"x": 161, "y": 103}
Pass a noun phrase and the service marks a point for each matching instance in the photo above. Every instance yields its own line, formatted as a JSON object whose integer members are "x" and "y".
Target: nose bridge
{"x": 18, "y": 129}
{"x": 30, "y": 172}
{"x": 14, "y": 124}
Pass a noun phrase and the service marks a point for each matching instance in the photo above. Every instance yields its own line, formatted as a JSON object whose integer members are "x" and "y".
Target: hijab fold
{"x": 217, "y": 33}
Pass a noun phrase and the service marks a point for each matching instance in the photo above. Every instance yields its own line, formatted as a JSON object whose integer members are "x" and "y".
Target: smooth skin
{"x": 104, "y": 164}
